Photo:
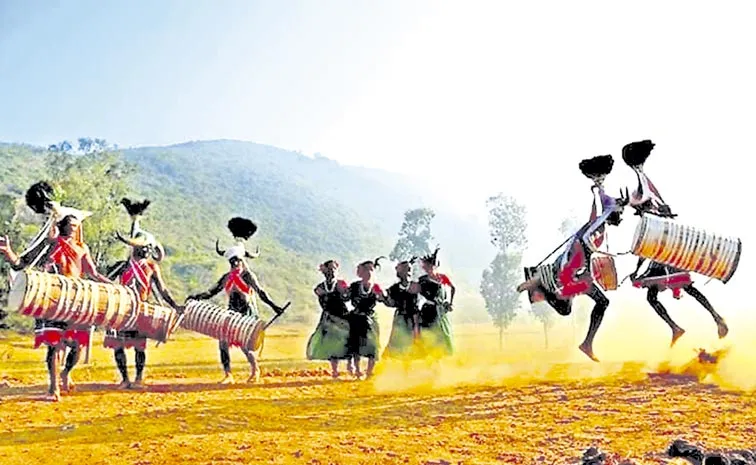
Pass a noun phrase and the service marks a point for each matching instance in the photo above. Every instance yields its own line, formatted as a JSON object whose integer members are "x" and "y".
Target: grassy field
{"x": 520, "y": 404}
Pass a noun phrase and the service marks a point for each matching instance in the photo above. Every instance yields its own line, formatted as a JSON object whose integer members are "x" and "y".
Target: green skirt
{"x": 436, "y": 337}
{"x": 401, "y": 341}
{"x": 329, "y": 341}
{"x": 364, "y": 336}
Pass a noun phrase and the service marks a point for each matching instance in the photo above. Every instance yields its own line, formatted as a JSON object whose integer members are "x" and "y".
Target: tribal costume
{"x": 405, "y": 326}
{"x": 364, "y": 331}
{"x": 435, "y": 328}
{"x": 64, "y": 252}
{"x": 140, "y": 272}
{"x": 241, "y": 285}
{"x": 331, "y": 336}
{"x": 570, "y": 274}
{"x": 647, "y": 200}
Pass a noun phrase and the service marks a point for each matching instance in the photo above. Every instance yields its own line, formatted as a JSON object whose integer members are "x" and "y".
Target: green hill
{"x": 308, "y": 209}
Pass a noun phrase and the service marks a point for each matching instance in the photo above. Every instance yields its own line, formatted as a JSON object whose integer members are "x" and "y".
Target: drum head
{"x": 258, "y": 335}
{"x": 17, "y": 292}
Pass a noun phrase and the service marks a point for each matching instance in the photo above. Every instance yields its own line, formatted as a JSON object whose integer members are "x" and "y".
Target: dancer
{"x": 241, "y": 285}
{"x": 63, "y": 252}
{"x": 405, "y": 328}
{"x": 140, "y": 272}
{"x": 570, "y": 274}
{"x": 364, "y": 333}
{"x": 435, "y": 327}
{"x": 331, "y": 336}
{"x": 658, "y": 277}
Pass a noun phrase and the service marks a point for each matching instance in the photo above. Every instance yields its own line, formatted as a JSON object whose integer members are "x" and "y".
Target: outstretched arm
{"x": 18, "y": 263}
{"x": 157, "y": 279}
{"x": 88, "y": 267}
{"x": 210, "y": 293}
{"x": 252, "y": 281}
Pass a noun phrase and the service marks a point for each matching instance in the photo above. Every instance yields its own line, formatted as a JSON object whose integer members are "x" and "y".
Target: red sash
{"x": 68, "y": 255}
{"x": 235, "y": 280}
{"x": 139, "y": 271}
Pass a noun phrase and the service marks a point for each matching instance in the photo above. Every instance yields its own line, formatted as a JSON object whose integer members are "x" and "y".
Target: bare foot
{"x": 137, "y": 384}
{"x": 254, "y": 378}
{"x": 676, "y": 334}
{"x": 722, "y": 329}
{"x": 335, "y": 375}
{"x": 588, "y": 350}
{"x": 65, "y": 382}
{"x": 53, "y": 396}
{"x": 228, "y": 379}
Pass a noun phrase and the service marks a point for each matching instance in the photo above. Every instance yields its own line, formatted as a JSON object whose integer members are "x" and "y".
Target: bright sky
{"x": 484, "y": 96}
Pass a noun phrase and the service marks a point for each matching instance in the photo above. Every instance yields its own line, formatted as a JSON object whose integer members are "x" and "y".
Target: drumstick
{"x": 277, "y": 315}
{"x": 173, "y": 328}
{"x": 89, "y": 345}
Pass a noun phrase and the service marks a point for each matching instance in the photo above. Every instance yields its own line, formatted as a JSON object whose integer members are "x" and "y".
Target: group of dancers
{"x": 420, "y": 328}
{"x": 59, "y": 248}
{"x": 570, "y": 275}
{"x": 341, "y": 334}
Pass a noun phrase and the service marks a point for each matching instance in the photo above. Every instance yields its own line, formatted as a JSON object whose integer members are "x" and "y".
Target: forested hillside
{"x": 308, "y": 210}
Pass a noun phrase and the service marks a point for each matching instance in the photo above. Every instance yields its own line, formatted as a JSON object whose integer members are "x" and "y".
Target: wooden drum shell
{"x": 224, "y": 325}
{"x": 686, "y": 248}
{"x": 74, "y": 301}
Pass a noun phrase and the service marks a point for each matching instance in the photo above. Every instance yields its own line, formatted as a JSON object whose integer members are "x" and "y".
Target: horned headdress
{"x": 39, "y": 198}
{"x": 242, "y": 229}
{"x": 432, "y": 258}
{"x": 373, "y": 263}
{"x": 646, "y": 196}
{"x": 139, "y": 237}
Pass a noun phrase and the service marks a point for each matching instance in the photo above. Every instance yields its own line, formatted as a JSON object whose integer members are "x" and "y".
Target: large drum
{"x": 225, "y": 325}
{"x": 686, "y": 248}
{"x": 75, "y": 301}
{"x": 155, "y": 322}
{"x": 604, "y": 272}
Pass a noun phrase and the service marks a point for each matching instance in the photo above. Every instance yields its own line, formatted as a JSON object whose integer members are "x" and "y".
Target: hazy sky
{"x": 485, "y": 96}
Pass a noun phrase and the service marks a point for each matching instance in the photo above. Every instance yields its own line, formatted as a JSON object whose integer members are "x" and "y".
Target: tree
{"x": 414, "y": 235}
{"x": 94, "y": 179}
{"x": 498, "y": 284}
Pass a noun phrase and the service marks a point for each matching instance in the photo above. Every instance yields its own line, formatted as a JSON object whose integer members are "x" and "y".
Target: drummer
{"x": 63, "y": 252}
{"x": 140, "y": 272}
{"x": 241, "y": 285}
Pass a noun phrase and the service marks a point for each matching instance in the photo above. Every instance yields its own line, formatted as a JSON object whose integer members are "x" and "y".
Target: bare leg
{"x": 52, "y": 370}
{"x": 696, "y": 294}
{"x": 653, "y": 299}
{"x": 226, "y": 362}
{"x": 254, "y": 370}
{"x": 357, "y": 371}
{"x": 140, "y": 360}
{"x": 370, "y": 366}
{"x": 350, "y": 366}
{"x": 334, "y": 368}
{"x": 531, "y": 283}
{"x": 120, "y": 358}
{"x": 74, "y": 353}
{"x": 597, "y": 315}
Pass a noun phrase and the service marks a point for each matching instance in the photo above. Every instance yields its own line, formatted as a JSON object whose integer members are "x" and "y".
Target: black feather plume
{"x": 597, "y": 167}
{"x": 636, "y": 153}
{"x": 135, "y": 208}
{"x": 241, "y": 228}
{"x": 39, "y": 196}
